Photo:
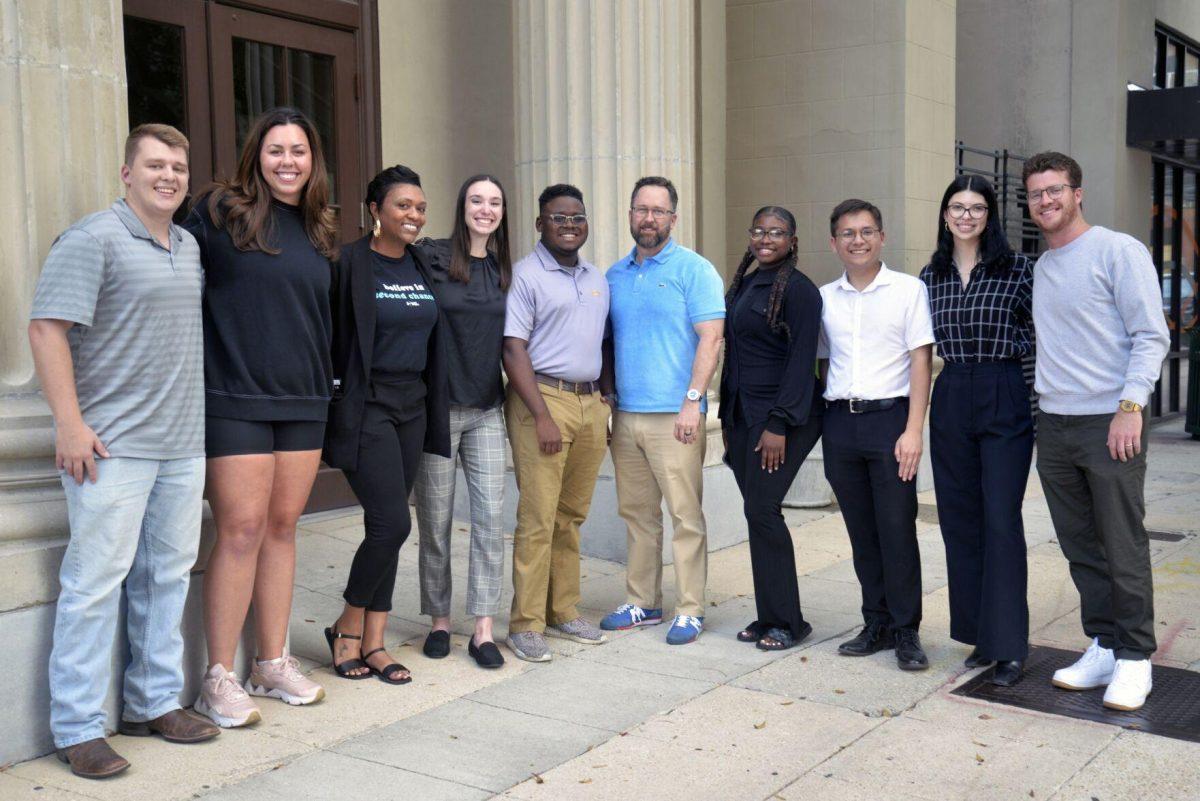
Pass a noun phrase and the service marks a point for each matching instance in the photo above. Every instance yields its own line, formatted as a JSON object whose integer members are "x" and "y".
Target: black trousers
{"x": 389, "y": 450}
{"x": 772, "y": 561}
{"x": 981, "y": 443}
{"x": 1098, "y": 506}
{"x": 880, "y": 510}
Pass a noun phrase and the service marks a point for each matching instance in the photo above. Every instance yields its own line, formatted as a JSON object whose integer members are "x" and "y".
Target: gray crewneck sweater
{"x": 1101, "y": 333}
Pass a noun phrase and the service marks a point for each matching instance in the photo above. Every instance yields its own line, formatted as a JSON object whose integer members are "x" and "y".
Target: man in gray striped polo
{"x": 116, "y": 337}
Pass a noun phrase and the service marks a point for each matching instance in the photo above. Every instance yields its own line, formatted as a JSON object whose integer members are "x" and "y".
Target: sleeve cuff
{"x": 1136, "y": 393}
{"x": 777, "y": 425}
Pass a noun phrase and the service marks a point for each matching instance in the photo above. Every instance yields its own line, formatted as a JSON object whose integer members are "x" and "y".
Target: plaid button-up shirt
{"x": 991, "y": 319}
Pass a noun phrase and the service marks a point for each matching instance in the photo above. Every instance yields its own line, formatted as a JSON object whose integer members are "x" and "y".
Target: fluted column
{"x": 63, "y": 120}
{"x": 604, "y": 93}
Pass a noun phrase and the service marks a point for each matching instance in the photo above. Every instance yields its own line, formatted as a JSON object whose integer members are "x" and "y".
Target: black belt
{"x": 858, "y": 405}
{"x": 578, "y": 387}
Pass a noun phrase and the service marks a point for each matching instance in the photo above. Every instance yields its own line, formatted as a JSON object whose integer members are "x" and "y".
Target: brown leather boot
{"x": 177, "y": 726}
{"x": 93, "y": 759}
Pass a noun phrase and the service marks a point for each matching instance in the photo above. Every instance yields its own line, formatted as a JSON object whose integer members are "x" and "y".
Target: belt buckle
{"x": 853, "y": 409}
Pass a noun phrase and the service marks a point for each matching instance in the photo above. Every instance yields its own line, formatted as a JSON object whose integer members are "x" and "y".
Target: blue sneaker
{"x": 684, "y": 629}
{"x": 628, "y": 616}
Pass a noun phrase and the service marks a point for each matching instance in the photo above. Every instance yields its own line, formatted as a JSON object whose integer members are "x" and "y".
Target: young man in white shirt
{"x": 877, "y": 335}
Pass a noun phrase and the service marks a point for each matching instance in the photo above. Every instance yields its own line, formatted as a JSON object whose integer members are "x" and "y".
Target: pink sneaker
{"x": 224, "y": 701}
{"x": 281, "y": 678}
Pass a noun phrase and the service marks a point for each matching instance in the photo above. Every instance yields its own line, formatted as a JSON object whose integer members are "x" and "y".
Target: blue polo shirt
{"x": 653, "y": 308}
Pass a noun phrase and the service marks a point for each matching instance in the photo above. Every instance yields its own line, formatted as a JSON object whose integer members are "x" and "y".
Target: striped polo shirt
{"x": 137, "y": 346}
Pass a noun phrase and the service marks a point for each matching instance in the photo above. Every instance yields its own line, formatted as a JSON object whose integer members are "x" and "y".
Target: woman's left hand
{"x": 771, "y": 446}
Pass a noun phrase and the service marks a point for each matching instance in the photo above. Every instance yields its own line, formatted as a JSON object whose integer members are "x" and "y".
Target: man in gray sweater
{"x": 1101, "y": 340}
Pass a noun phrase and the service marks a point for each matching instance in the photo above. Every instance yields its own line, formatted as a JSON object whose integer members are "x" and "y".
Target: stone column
{"x": 605, "y": 92}
{"x": 63, "y": 120}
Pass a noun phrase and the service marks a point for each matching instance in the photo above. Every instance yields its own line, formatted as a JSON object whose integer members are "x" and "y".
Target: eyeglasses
{"x": 849, "y": 235}
{"x": 563, "y": 219}
{"x": 657, "y": 214}
{"x": 976, "y": 212}
{"x": 1052, "y": 192}
{"x": 774, "y": 234}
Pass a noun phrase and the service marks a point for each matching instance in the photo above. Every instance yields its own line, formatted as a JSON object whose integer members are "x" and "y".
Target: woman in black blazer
{"x": 771, "y": 412}
{"x": 390, "y": 403}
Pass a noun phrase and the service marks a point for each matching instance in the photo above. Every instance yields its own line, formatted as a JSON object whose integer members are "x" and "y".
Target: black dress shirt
{"x": 989, "y": 320}
{"x": 771, "y": 377}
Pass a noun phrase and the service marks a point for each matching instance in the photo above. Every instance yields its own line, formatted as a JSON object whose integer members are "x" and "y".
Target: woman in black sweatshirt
{"x": 771, "y": 412}
{"x": 392, "y": 403}
{"x": 266, "y": 239}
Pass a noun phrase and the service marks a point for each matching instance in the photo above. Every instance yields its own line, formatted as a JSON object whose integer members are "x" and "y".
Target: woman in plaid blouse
{"x": 981, "y": 429}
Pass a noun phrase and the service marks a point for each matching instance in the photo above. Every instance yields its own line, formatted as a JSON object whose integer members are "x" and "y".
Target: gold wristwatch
{"x": 1129, "y": 406}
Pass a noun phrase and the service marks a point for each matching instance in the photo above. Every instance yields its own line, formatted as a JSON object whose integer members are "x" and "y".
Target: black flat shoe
{"x": 873, "y": 638}
{"x": 437, "y": 645}
{"x": 976, "y": 659}
{"x": 1007, "y": 674}
{"x": 753, "y": 632}
{"x": 486, "y": 655}
{"x": 909, "y": 653}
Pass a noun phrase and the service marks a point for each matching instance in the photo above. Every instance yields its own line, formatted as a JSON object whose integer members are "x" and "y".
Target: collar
{"x": 549, "y": 264}
{"x": 759, "y": 277}
{"x": 662, "y": 255}
{"x": 138, "y": 228}
{"x": 884, "y": 278}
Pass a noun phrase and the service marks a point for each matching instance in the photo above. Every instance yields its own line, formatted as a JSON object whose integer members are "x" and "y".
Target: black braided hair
{"x": 775, "y": 299}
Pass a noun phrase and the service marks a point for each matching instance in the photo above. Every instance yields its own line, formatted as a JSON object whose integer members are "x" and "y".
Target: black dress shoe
{"x": 437, "y": 645}
{"x": 486, "y": 655}
{"x": 1007, "y": 674}
{"x": 909, "y": 654}
{"x": 873, "y": 638}
{"x": 976, "y": 659}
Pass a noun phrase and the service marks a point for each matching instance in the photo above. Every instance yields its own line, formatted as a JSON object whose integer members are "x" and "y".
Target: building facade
{"x": 742, "y": 103}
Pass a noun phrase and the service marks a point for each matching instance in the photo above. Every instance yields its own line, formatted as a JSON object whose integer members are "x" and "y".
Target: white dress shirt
{"x": 867, "y": 336}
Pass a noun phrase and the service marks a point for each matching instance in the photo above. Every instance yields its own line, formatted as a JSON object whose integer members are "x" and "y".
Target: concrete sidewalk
{"x": 638, "y": 719}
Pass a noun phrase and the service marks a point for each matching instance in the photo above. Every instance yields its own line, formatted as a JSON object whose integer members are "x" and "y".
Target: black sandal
{"x": 344, "y": 668}
{"x": 752, "y": 633}
{"x": 782, "y": 639}
{"x": 388, "y": 671}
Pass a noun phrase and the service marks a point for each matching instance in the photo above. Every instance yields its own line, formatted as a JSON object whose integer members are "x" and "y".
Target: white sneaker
{"x": 1094, "y": 669}
{"x": 224, "y": 701}
{"x": 1129, "y": 686}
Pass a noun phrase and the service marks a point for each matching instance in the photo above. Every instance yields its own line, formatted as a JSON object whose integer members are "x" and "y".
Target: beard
{"x": 647, "y": 238}
{"x": 1068, "y": 214}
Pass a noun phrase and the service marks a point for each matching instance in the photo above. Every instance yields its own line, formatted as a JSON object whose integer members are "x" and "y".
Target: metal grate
{"x": 1172, "y": 710}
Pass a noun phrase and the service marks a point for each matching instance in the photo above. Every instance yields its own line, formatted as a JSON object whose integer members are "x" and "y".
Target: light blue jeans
{"x": 139, "y": 523}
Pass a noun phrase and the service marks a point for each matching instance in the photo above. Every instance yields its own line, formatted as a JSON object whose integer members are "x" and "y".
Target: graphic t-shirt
{"x": 405, "y": 313}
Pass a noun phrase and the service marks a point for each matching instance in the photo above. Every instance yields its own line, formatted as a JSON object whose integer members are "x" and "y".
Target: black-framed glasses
{"x": 976, "y": 212}
{"x": 657, "y": 214}
{"x": 563, "y": 219}
{"x": 1053, "y": 192}
{"x": 774, "y": 234}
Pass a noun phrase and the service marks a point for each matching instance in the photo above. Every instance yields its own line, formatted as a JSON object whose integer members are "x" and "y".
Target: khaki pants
{"x": 555, "y": 494}
{"x": 652, "y": 465}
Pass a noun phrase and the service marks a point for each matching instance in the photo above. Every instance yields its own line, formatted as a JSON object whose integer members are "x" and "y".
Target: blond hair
{"x": 167, "y": 134}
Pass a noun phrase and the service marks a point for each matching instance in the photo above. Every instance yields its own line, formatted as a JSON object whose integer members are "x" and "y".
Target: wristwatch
{"x": 694, "y": 394}
{"x": 1129, "y": 406}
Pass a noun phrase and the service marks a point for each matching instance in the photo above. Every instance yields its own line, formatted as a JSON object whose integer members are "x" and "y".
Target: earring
{"x": 377, "y": 230}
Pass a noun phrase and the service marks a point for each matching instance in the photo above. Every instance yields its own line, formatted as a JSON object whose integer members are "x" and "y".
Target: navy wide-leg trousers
{"x": 981, "y": 442}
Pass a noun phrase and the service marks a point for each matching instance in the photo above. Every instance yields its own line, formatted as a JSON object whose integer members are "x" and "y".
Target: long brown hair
{"x": 243, "y": 205}
{"x": 460, "y": 236}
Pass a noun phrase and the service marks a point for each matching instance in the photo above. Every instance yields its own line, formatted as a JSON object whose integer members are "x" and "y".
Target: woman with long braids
{"x": 266, "y": 239}
{"x": 391, "y": 405}
{"x": 771, "y": 412}
{"x": 980, "y": 427}
{"x": 470, "y": 273}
